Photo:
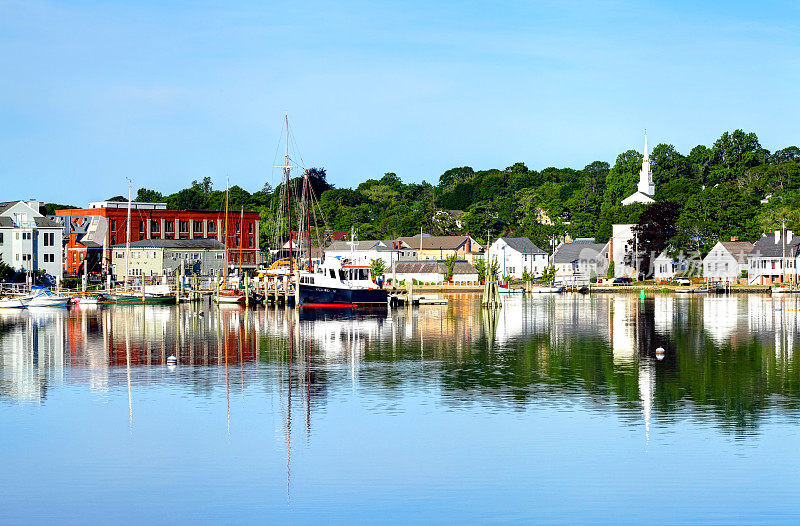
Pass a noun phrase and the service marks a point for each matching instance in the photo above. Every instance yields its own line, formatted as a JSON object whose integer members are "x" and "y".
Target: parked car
{"x": 682, "y": 281}
{"x": 619, "y": 282}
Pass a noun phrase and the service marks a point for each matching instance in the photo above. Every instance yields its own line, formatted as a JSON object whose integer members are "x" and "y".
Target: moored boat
{"x": 44, "y": 297}
{"x": 336, "y": 285}
{"x": 11, "y": 302}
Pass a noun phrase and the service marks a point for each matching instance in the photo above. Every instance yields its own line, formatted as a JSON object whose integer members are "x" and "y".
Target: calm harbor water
{"x": 556, "y": 409}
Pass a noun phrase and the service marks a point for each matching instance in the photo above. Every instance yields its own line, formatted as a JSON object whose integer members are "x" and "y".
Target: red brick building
{"x": 93, "y": 231}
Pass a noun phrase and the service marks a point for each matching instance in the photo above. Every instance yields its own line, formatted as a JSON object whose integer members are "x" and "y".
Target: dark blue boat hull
{"x": 316, "y": 296}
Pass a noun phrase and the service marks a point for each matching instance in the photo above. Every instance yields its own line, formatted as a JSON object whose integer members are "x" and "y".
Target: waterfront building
{"x": 516, "y": 254}
{"x": 159, "y": 257}
{"x": 577, "y": 262}
{"x": 727, "y": 260}
{"x": 621, "y": 244}
{"x": 666, "y": 267}
{"x": 646, "y": 189}
{"x": 363, "y": 252}
{"x": 622, "y": 236}
{"x": 89, "y": 233}
{"x": 30, "y": 241}
{"x": 774, "y": 260}
{"x": 431, "y": 272}
{"x": 436, "y": 248}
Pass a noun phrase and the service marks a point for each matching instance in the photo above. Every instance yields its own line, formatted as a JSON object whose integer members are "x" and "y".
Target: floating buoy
{"x": 172, "y": 360}
{"x": 660, "y": 353}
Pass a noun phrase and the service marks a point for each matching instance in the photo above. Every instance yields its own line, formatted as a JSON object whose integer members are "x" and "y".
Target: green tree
{"x": 655, "y": 229}
{"x": 480, "y": 266}
{"x": 450, "y": 265}
{"x": 378, "y": 267}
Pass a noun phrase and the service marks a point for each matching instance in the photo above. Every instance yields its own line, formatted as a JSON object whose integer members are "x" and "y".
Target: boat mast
{"x": 225, "y": 234}
{"x": 308, "y": 216}
{"x": 128, "y": 239}
{"x": 241, "y": 234}
{"x": 286, "y": 169}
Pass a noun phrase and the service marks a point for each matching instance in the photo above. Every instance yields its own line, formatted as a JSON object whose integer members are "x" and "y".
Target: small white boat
{"x": 547, "y": 290}
{"x": 430, "y": 300}
{"x": 42, "y": 297}
{"x": 508, "y": 290}
{"x": 780, "y": 290}
{"x": 12, "y": 303}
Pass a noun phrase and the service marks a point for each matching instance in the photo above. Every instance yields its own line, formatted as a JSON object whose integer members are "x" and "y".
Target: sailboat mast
{"x": 288, "y": 200}
{"x": 241, "y": 234}
{"x": 225, "y": 234}
{"x": 308, "y": 217}
{"x": 128, "y": 239}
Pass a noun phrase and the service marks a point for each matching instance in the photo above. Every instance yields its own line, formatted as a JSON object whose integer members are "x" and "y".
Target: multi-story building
{"x": 439, "y": 248}
{"x": 774, "y": 260}
{"x": 577, "y": 262}
{"x": 28, "y": 240}
{"x": 514, "y": 255}
{"x": 90, "y": 233}
{"x": 159, "y": 257}
{"x": 727, "y": 261}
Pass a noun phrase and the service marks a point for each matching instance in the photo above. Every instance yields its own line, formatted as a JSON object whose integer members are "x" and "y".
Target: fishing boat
{"x": 12, "y": 302}
{"x": 334, "y": 284}
{"x": 44, "y": 297}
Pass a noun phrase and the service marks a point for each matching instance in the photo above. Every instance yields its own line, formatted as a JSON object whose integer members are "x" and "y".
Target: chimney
{"x": 777, "y": 236}
{"x": 788, "y": 236}
{"x": 734, "y": 238}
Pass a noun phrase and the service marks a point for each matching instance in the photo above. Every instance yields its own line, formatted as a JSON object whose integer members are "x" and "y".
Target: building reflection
{"x": 730, "y": 355}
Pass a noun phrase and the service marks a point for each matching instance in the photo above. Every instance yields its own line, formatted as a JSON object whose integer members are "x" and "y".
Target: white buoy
{"x": 660, "y": 353}
{"x": 172, "y": 360}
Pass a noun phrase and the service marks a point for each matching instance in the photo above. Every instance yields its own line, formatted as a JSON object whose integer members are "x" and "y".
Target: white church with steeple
{"x": 622, "y": 234}
{"x": 646, "y": 189}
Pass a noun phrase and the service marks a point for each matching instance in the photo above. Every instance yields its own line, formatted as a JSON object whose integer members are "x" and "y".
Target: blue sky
{"x": 167, "y": 92}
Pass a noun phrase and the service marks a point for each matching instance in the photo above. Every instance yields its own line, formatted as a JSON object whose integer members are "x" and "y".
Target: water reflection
{"x": 729, "y": 358}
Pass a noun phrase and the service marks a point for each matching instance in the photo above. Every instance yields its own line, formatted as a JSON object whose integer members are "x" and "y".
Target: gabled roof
{"x": 523, "y": 245}
{"x": 6, "y": 205}
{"x": 427, "y": 242}
{"x": 361, "y": 245}
{"x": 569, "y": 252}
{"x": 191, "y": 244}
{"x": 767, "y": 247}
{"x": 44, "y": 222}
{"x": 431, "y": 267}
{"x": 738, "y": 249}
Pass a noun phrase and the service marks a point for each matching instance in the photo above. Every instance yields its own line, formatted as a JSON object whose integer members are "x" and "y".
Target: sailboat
{"x": 228, "y": 293}
{"x": 127, "y": 298}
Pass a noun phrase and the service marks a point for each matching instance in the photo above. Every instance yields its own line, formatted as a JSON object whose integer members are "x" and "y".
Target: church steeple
{"x": 646, "y": 189}
{"x": 646, "y": 185}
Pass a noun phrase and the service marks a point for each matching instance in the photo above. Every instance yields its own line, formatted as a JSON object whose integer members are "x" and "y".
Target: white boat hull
{"x": 12, "y": 303}
{"x": 49, "y": 301}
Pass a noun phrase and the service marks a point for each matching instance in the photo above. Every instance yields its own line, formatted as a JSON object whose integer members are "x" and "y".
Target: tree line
{"x": 734, "y": 187}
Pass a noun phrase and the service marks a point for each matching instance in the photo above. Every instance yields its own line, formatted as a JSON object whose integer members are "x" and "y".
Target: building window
{"x": 141, "y": 227}
{"x": 212, "y": 227}
{"x": 250, "y": 228}
{"x": 237, "y": 227}
{"x": 198, "y": 226}
{"x": 184, "y": 227}
{"x": 113, "y": 223}
{"x": 155, "y": 226}
{"x": 1, "y": 238}
{"x": 250, "y": 242}
{"x": 169, "y": 227}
